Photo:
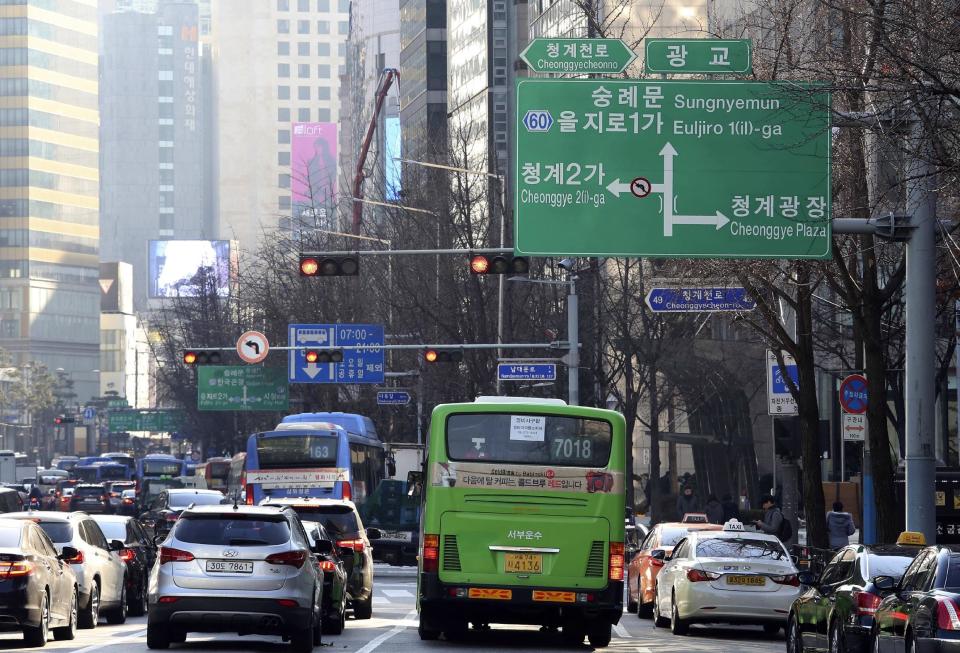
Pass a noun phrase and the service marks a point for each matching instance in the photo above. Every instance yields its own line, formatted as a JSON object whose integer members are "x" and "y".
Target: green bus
{"x": 523, "y": 518}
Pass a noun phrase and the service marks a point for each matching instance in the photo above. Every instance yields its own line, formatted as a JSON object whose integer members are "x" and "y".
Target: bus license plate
{"x": 230, "y": 566}
{"x": 751, "y": 581}
{"x": 523, "y": 563}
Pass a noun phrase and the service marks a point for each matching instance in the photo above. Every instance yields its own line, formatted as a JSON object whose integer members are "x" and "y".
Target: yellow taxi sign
{"x": 912, "y": 538}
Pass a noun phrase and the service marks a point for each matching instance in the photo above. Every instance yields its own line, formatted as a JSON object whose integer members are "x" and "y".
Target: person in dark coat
{"x": 687, "y": 502}
{"x": 714, "y": 510}
{"x": 840, "y": 526}
{"x": 730, "y": 508}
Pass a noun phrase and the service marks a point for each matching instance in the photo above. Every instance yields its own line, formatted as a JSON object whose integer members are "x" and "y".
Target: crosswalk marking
{"x": 394, "y": 594}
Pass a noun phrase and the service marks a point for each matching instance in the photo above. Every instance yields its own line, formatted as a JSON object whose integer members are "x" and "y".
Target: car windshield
{"x": 233, "y": 530}
{"x": 277, "y": 452}
{"x": 740, "y": 548}
{"x": 887, "y": 565}
{"x": 339, "y": 521}
{"x": 670, "y": 536}
{"x": 10, "y": 536}
{"x": 184, "y": 499}
{"x": 114, "y": 530}
{"x": 58, "y": 531}
{"x": 89, "y": 491}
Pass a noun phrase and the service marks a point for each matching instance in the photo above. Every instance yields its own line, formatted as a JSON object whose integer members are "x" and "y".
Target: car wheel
{"x": 138, "y": 602}
{"x": 658, "y": 619}
{"x": 178, "y": 636}
{"x": 69, "y": 631}
{"x": 91, "y": 614}
{"x": 794, "y": 642}
{"x": 119, "y": 614}
{"x": 771, "y": 629}
{"x": 908, "y": 646}
{"x": 302, "y": 640}
{"x": 36, "y": 636}
{"x": 363, "y": 609}
{"x": 644, "y": 610}
{"x": 336, "y": 623}
{"x": 157, "y": 636}
{"x": 678, "y": 626}
{"x": 599, "y": 635}
{"x": 837, "y": 642}
{"x": 318, "y": 630}
{"x": 631, "y": 604}
{"x": 425, "y": 627}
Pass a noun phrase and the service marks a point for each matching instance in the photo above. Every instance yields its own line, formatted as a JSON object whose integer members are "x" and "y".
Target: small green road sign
{"x": 145, "y": 420}
{"x": 582, "y": 56}
{"x": 721, "y": 169}
{"x": 242, "y": 387}
{"x": 698, "y": 56}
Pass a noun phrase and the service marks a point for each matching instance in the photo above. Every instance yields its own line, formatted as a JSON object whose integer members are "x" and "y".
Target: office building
{"x": 154, "y": 184}
{"x": 423, "y": 66}
{"x": 49, "y": 263}
{"x": 276, "y": 65}
{"x": 126, "y": 362}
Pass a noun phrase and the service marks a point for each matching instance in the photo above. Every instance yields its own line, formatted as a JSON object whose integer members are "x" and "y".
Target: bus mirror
{"x": 374, "y": 534}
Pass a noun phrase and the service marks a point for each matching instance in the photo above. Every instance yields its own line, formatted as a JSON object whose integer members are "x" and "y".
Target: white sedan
{"x": 729, "y": 576}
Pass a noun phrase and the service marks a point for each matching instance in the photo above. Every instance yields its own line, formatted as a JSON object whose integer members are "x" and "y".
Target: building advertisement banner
{"x": 313, "y": 171}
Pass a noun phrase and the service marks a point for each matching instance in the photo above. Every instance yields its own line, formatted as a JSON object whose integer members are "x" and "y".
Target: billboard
{"x": 313, "y": 171}
{"x": 176, "y": 267}
{"x": 391, "y": 166}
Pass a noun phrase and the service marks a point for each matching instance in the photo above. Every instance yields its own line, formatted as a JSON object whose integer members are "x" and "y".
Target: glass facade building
{"x": 49, "y": 185}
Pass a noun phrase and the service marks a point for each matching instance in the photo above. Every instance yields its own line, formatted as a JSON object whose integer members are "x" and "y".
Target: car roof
{"x": 233, "y": 509}
{"x": 112, "y": 518}
{"x": 96, "y": 485}
{"x": 192, "y": 490}
{"x": 308, "y": 502}
{"x": 690, "y": 526}
{"x": 729, "y": 535}
{"x": 48, "y": 515}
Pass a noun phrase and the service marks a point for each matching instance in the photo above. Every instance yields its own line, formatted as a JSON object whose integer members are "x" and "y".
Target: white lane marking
{"x": 97, "y": 647}
{"x": 620, "y": 631}
{"x": 642, "y": 649}
{"x": 375, "y": 643}
{"x": 406, "y": 594}
{"x": 379, "y": 600}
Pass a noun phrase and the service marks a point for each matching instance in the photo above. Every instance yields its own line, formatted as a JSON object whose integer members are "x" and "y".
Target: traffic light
{"x": 64, "y": 419}
{"x": 329, "y": 266}
{"x": 320, "y": 356}
{"x": 443, "y": 355}
{"x": 499, "y": 264}
{"x": 201, "y": 357}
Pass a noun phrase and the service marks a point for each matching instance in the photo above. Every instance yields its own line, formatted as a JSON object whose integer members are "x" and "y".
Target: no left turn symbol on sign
{"x": 252, "y": 347}
{"x": 853, "y": 394}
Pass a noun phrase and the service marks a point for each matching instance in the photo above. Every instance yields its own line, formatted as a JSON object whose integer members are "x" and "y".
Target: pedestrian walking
{"x": 687, "y": 501}
{"x": 840, "y": 526}
{"x": 773, "y": 522}
{"x": 714, "y": 510}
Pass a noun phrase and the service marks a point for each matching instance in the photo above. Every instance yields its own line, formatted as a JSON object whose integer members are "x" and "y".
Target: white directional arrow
{"x": 312, "y": 369}
{"x": 719, "y": 220}
{"x": 616, "y": 187}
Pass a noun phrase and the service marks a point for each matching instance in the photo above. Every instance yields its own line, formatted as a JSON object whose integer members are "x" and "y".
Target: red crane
{"x": 387, "y": 78}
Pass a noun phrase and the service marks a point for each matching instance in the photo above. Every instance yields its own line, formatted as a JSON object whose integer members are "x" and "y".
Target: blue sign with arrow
{"x": 527, "y": 371}
{"x": 699, "y": 300}
{"x": 358, "y": 366}
{"x": 393, "y": 398}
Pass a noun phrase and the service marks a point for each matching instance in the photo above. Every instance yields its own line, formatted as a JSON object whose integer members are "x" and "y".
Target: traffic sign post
{"x": 853, "y": 394}
{"x": 89, "y": 415}
{"x": 581, "y": 56}
{"x": 393, "y": 398}
{"x": 780, "y": 399}
{"x": 253, "y": 347}
{"x": 239, "y": 387}
{"x": 363, "y": 365}
{"x": 854, "y": 429}
{"x": 707, "y": 56}
{"x": 527, "y": 371}
{"x": 145, "y": 420}
{"x": 722, "y": 169}
{"x": 699, "y": 300}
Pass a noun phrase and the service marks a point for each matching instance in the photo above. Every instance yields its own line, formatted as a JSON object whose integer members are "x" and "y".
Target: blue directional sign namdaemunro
{"x": 393, "y": 398}
{"x": 358, "y": 366}
{"x": 527, "y": 371}
{"x": 699, "y": 300}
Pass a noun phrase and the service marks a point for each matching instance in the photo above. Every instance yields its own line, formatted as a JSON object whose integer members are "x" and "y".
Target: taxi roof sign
{"x": 695, "y": 518}
{"x": 912, "y": 538}
{"x": 733, "y": 526}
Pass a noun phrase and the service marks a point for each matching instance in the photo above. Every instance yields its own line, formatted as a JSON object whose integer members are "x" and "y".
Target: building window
{"x": 283, "y": 26}
{"x": 303, "y": 115}
{"x": 323, "y": 115}
{"x": 343, "y": 27}
{"x": 283, "y": 70}
{"x": 283, "y": 136}
{"x": 303, "y": 92}
{"x": 166, "y": 132}
{"x": 283, "y": 92}
{"x": 323, "y": 27}
{"x": 283, "y": 180}
{"x": 323, "y": 5}
{"x": 341, "y": 49}
{"x": 323, "y": 93}
{"x": 323, "y": 71}
{"x": 303, "y": 71}
{"x": 323, "y": 49}
{"x": 283, "y": 158}
{"x": 283, "y": 5}
{"x": 303, "y": 49}
{"x": 303, "y": 27}
{"x": 283, "y": 114}
{"x": 303, "y": 5}
{"x": 284, "y": 203}
{"x": 283, "y": 48}
{"x": 166, "y": 177}
{"x": 343, "y": 6}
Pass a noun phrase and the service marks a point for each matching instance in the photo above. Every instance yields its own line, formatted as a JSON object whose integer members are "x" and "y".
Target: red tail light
{"x": 699, "y": 576}
{"x": 326, "y": 565}
{"x": 169, "y": 554}
{"x": 128, "y": 502}
{"x": 127, "y": 555}
{"x": 347, "y": 490}
{"x": 17, "y": 569}
{"x": 947, "y": 617}
{"x": 291, "y": 558}
{"x": 249, "y": 494}
{"x": 790, "y": 579}
{"x": 356, "y": 545}
{"x": 75, "y": 560}
{"x": 616, "y": 561}
{"x": 287, "y": 603}
{"x": 172, "y": 516}
{"x": 168, "y": 599}
{"x": 431, "y": 553}
{"x": 867, "y": 603}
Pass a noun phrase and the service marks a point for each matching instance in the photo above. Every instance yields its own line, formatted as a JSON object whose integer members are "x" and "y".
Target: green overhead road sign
{"x": 719, "y": 169}
{"x": 145, "y": 420}
{"x": 583, "y": 56}
{"x": 698, "y": 56}
{"x": 242, "y": 387}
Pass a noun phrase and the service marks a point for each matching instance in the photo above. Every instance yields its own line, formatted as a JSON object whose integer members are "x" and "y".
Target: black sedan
{"x": 91, "y": 498}
{"x": 335, "y": 598}
{"x": 922, "y": 612}
{"x": 164, "y": 509}
{"x": 835, "y": 613}
{"x": 38, "y": 590}
{"x": 138, "y": 552}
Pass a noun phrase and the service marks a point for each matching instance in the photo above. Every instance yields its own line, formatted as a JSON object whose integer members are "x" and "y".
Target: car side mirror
{"x": 158, "y": 539}
{"x": 116, "y": 545}
{"x": 323, "y": 547}
{"x": 374, "y": 534}
{"x": 807, "y": 578}
{"x": 885, "y": 583}
{"x": 659, "y": 554}
{"x": 68, "y": 552}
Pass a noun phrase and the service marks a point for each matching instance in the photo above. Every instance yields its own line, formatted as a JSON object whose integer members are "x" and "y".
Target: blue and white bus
{"x": 101, "y": 472}
{"x": 308, "y": 455}
{"x": 160, "y": 465}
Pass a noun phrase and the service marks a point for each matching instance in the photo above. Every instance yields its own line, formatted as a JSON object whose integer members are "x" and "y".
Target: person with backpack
{"x": 840, "y": 526}
{"x": 773, "y": 522}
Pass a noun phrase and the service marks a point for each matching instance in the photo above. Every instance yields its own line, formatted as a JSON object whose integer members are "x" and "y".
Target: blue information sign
{"x": 89, "y": 413}
{"x": 699, "y": 300}
{"x": 393, "y": 398}
{"x": 527, "y": 371}
{"x": 779, "y": 383}
{"x": 358, "y": 366}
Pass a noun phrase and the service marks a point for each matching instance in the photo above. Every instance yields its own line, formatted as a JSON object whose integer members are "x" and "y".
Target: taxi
{"x": 735, "y": 575}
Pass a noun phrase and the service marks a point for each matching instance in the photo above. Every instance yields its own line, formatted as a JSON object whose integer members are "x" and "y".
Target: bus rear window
{"x": 529, "y": 439}
{"x": 161, "y": 468}
{"x": 278, "y": 452}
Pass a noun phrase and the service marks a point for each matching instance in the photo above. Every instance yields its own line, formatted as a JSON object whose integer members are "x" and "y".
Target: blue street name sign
{"x": 699, "y": 300}
{"x": 89, "y": 413}
{"x": 358, "y": 366}
{"x": 527, "y": 371}
{"x": 393, "y": 398}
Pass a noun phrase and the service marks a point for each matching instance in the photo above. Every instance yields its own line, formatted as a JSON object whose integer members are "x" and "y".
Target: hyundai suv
{"x": 236, "y": 569}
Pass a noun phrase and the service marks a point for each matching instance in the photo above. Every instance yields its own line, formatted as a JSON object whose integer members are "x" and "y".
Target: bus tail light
{"x": 249, "y": 494}
{"x": 616, "y": 561}
{"x": 347, "y": 490}
{"x": 431, "y": 553}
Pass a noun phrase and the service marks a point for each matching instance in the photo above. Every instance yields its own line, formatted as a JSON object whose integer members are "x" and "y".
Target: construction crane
{"x": 387, "y": 78}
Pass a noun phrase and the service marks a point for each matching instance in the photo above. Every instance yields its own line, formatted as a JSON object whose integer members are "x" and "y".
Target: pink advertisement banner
{"x": 313, "y": 166}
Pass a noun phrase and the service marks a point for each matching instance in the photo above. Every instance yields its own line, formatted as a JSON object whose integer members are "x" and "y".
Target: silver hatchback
{"x": 240, "y": 569}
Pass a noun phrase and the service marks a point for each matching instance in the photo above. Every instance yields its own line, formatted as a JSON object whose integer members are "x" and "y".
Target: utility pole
{"x": 573, "y": 337}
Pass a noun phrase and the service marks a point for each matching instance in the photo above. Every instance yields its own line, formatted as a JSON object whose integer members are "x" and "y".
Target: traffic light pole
{"x": 573, "y": 336}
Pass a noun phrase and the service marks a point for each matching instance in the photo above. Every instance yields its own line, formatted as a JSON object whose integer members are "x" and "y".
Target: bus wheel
{"x": 426, "y": 633}
{"x": 599, "y": 635}
{"x": 457, "y": 631}
{"x": 573, "y": 633}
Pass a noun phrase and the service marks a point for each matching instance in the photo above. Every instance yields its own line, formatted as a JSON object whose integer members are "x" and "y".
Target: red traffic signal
{"x": 320, "y": 356}
{"x": 329, "y": 266}
{"x": 499, "y": 264}
{"x": 200, "y": 357}
{"x": 64, "y": 419}
{"x": 443, "y": 355}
